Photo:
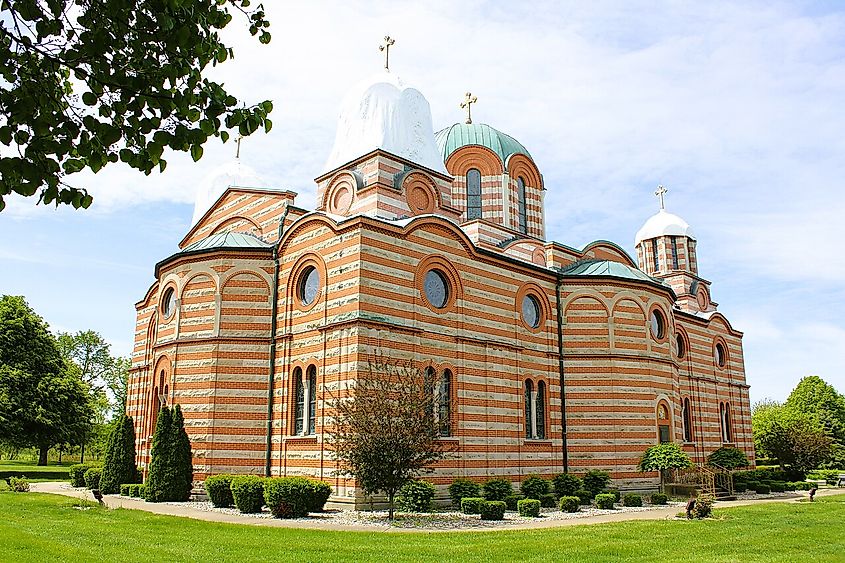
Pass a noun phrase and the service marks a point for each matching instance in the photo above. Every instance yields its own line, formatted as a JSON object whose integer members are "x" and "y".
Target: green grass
{"x": 39, "y": 527}
{"x": 53, "y": 471}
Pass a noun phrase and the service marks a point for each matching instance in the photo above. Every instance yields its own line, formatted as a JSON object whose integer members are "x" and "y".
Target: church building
{"x": 431, "y": 247}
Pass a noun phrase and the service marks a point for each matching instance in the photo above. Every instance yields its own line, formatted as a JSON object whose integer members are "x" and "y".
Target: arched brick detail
{"x": 540, "y": 296}
{"x": 521, "y": 165}
{"x": 442, "y": 264}
{"x": 474, "y": 156}
{"x": 630, "y": 331}
{"x": 340, "y": 193}
{"x": 586, "y": 324}
{"x": 421, "y": 193}
{"x": 237, "y": 224}
{"x": 197, "y": 307}
{"x": 303, "y": 262}
{"x": 245, "y": 306}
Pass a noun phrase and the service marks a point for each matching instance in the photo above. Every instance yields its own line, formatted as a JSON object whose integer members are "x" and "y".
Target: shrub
{"x": 703, "y": 506}
{"x": 615, "y": 492}
{"x": 548, "y": 500}
{"x": 585, "y": 496}
{"x": 512, "y": 501}
{"x": 77, "y": 474}
{"x": 777, "y": 486}
{"x": 124, "y": 489}
{"x": 320, "y": 493}
{"x": 566, "y": 484}
{"x": 286, "y": 497}
{"x": 133, "y": 490}
{"x": 119, "y": 463}
{"x": 751, "y": 485}
{"x": 248, "y": 493}
{"x": 462, "y": 488}
{"x": 596, "y": 481}
{"x": 416, "y": 496}
{"x": 170, "y": 476}
{"x": 728, "y": 457}
{"x": 740, "y": 486}
{"x": 493, "y": 510}
{"x": 471, "y": 505}
{"x": 632, "y": 500}
{"x": 534, "y": 487}
{"x": 659, "y": 498}
{"x": 529, "y": 507}
{"x": 762, "y": 489}
{"x": 789, "y": 487}
{"x": 142, "y": 491}
{"x": 570, "y": 504}
{"x": 18, "y": 485}
{"x": 92, "y": 478}
{"x": 218, "y": 489}
{"x": 605, "y": 500}
{"x": 497, "y": 489}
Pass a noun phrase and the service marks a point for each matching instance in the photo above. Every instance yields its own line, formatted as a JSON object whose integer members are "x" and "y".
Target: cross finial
{"x": 388, "y": 43}
{"x": 469, "y": 99}
{"x": 661, "y": 192}
{"x": 238, "y": 149}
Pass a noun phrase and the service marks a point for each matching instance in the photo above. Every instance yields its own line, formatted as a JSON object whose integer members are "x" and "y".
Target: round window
{"x": 309, "y": 285}
{"x": 436, "y": 288}
{"x": 682, "y": 345}
{"x": 720, "y": 355}
{"x": 531, "y": 311}
{"x": 658, "y": 324}
{"x": 168, "y": 303}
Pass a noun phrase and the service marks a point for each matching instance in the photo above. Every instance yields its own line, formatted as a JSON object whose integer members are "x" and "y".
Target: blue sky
{"x": 737, "y": 108}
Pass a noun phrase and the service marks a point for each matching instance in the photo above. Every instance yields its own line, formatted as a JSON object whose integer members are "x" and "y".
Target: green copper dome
{"x": 460, "y": 135}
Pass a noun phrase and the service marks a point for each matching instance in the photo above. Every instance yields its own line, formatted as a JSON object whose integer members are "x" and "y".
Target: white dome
{"x": 664, "y": 224}
{"x": 383, "y": 113}
{"x": 232, "y": 174}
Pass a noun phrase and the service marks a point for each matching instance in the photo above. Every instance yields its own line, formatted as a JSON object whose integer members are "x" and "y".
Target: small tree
{"x": 171, "y": 468}
{"x": 794, "y": 437}
{"x": 384, "y": 433}
{"x": 662, "y": 458}
{"x": 119, "y": 465}
{"x": 728, "y": 457}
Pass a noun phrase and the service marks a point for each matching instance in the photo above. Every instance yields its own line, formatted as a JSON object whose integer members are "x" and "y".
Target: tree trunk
{"x": 390, "y": 506}
{"x": 82, "y": 455}
{"x": 42, "y": 455}
{"x": 60, "y": 455}
{"x": 662, "y": 480}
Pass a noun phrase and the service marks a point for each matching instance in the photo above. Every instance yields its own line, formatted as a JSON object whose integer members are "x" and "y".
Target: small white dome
{"x": 664, "y": 224}
{"x": 383, "y": 113}
{"x": 231, "y": 174}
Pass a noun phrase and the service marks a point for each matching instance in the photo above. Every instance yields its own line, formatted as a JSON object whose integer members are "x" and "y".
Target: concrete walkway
{"x": 314, "y": 523}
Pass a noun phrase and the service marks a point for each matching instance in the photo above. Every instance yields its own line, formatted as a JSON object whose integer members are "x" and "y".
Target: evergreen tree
{"x": 170, "y": 477}
{"x": 119, "y": 466}
{"x": 183, "y": 474}
{"x": 159, "y": 473}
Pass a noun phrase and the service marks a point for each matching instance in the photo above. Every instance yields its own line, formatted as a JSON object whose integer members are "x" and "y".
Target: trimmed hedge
{"x": 762, "y": 489}
{"x": 529, "y": 507}
{"x": 416, "y": 496}
{"x": 218, "y": 489}
{"x": 566, "y": 484}
{"x": 471, "y": 505}
{"x": 35, "y": 473}
{"x": 320, "y": 493}
{"x": 789, "y": 487}
{"x": 248, "y": 493}
{"x": 777, "y": 486}
{"x": 585, "y": 496}
{"x": 124, "y": 489}
{"x": 77, "y": 474}
{"x": 605, "y": 501}
{"x": 740, "y": 486}
{"x": 512, "y": 501}
{"x": 142, "y": 491}
{"x": 133, "y": 489}
{"x": 570, "y": 504}
{"x": 92, "y": 477}
{"x": 659, "y": 498}
{"x": 616, "y": 494}
{"x": 287, "y": 497}
{"x": 534, "y": 487}
{"x": 548, "y": 500}
{"x": 463, "y": 488}
{"x": 493, "y": 510}
{"x": 769, "y": 474}
{"x": 497, "y": 489}
{"x": 632, "y": 500}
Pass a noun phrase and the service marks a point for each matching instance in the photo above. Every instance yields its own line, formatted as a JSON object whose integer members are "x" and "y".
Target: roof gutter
{"x": 561, "y": 372}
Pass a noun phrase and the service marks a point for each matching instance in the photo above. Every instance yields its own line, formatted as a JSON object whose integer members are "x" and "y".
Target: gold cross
{"x": 661, "y": 191}
{"x": 469, "y": 99}
{"x": 388, "y": 42}
{"x": 238, "y": 149}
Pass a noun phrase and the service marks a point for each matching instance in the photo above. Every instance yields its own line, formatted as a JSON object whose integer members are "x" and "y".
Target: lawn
{"x": 53, "y": 471}
{"x": 39, "y": 527}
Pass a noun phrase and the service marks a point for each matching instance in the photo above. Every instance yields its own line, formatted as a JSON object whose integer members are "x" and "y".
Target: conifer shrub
{"x": 135, "y": 490}
{"x": 659, "y": 498}
{"x": 77, "y": 474}
{"x": 570, "y": 504}
{"x": 124, "y": 489}
{"x": 534, "y": 487}
{"x": 585, "y": 496}
{"x": 171, "y": 472}
{"x": 142, "y": 491}
{"x": 605, "y": 501}
{"x": 92, "y": 477}
{"x": 288, "y": 497}
{"x": 416, "y": 496}
{"x": 615, "y": 492}
{"x": 497, "y": 489}
{"x": 566, "y": 484}
{"x": 512, "y": 501}
{"x": 320, "y": 493}
{"x": 596, "y": 481}
{"x": 528, "y": 507}
{"x": 471, "y": 505}
{"x": 462, "y": 488}
{"x": 217, "y": 487}
{"x": 248, "y": 493}
{"x": 703, "y": 506}
{"x": 548, "y": 500}
{"x": 632, "y": 500}
{"x": 119, "y": 464}
{"x": 493, "y": 510}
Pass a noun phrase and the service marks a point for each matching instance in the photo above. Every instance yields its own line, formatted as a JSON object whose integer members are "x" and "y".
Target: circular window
{"x": 531, "y": 311}
{"x": 168, "y": 303}
{"x": 658, "y": 325}
{"x": 682, "y": 345}
{"x": 309, "y": 285}
{"x": 436, "y": 288}
{"x": 720, "y": 355}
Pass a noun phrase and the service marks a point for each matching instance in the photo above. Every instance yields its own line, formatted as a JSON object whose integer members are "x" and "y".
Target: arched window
{"x": 444, "y": 404}
{"x": 311, "y": 374}
{"x": 299, "y": 394}
{"x": 664, "y": 433}
{"x": 520, "y": 198}
{"x": 429, "y": 377}
{"x": 473, "y": 194}
{"x": 725, "y": 417}
{"x": 529, "y": 411}
{"x": 654, "y": 255}
{"x": 687, "y": 420}
{"x": 540, "y": 409}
